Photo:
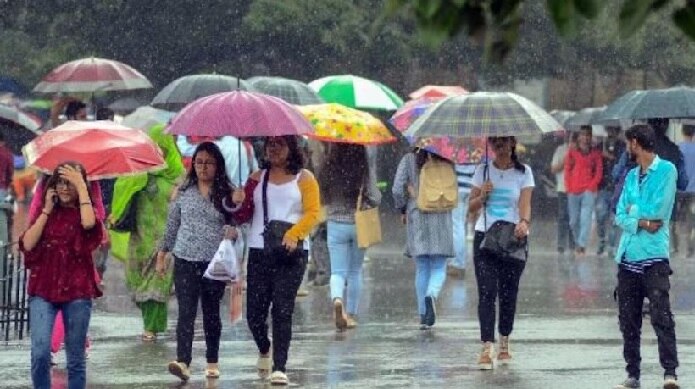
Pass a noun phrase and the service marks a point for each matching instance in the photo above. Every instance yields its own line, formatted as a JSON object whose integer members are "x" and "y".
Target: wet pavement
{"x": 566, "y": 335}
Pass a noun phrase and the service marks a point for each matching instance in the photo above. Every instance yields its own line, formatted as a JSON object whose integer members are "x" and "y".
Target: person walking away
{"x": 101, "y": 255}
{"x": 613, "y": 148}
{"x": 583, "y": 173}
{"x": 197, "y": 223}
{"x": 285, "y": 193}
{"x": 145, "y": 199}
{"x": 346, "y": 178}
{"x": 565, "y": 240}
{"x": 430, "y": 234}
{"x": 457, "y": 264}
{"x": 687, "y": 208}
{"x": 643, "y": 213}
{"x": 6, "y": 169}
{"x": 57, "y": 250}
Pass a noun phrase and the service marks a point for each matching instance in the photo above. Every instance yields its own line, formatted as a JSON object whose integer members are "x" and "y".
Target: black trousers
{"x": 272, "y": 287}
{"x": 632, "y": 289}
{"x": 496, "y": 277}
{"x": 192, "y": 287}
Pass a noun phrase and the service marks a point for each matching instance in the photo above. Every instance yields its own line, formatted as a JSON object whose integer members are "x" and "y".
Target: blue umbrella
{"x": 672, "y": 103}
{"x": 10, "y": 85}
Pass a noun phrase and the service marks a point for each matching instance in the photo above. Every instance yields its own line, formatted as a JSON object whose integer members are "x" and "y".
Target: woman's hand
{"x": 231, "y": 233}
{"x": 238, "y": 196}
{"x": 48, "y": 203}
{"x": 74, "y": 176}
{"x": 485, "y": 190}
{"x": 289, "y": 243}
{"x": 161, "y": 264}
{"x": 521, "y": 229}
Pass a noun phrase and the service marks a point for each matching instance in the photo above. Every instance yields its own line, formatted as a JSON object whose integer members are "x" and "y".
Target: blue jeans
{"x": 346, "y": 264}
{"x": 430, "y": 274}
{"x": 581, "y": 208}
{"x": 460, "y": 215}
{"x": 76, "y": 316}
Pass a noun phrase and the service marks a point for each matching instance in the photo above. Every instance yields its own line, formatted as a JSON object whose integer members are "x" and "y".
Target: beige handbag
{"x": 367, "y": 224}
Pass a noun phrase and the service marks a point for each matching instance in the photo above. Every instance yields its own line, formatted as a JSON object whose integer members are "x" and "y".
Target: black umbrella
{"x": 189, "y": 88}
{"x": 17, "y": 128}
{"x": 672, "y": 103}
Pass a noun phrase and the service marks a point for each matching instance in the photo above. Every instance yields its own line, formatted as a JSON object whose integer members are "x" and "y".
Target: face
{"x": 502, "y": 145}
{"x": 205, "y": 166}
{"x": 67, "y": 193}
{"x": 277, "y": 151}
{"x": 584, "y": 138}
{"x": 81, "y": 114}
{"x": 632, "y": 149}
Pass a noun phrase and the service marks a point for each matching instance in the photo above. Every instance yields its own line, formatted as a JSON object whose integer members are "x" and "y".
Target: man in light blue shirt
{"x": 643, "y": 213}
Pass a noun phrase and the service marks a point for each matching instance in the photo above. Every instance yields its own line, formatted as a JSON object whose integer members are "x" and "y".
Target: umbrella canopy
{"x": 673, "y": 103}
{"x": 484, "y": 114}
{"x": 92, "y": 75}
{"x": 240, "y": 114}
{"x": 356, "y": 92}
{"x": 561, "y": 115}
{"x": 340, "y": 124}
{"x": 17, "y": 128}
{"x": 189, "y": 88}
{"x": 457, "y": 150}
{"x": 145, "y": 117}
{"x": 14, "y": 115}
{"x": 105, "y": 148}
{"x": 584, "y": 117}
{"x": 126, "y": 104}
{"x": 437, "y": 91}
{"x": 292, "y": 91}
{"x": 411, "y": 110}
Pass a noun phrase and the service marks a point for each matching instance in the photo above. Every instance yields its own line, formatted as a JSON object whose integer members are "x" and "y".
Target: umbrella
{"x": 126, "y": 104}
{"x": 145, "y": 117}
{"x": 356, "y": 92}
{"x": 410, "y": 111}
{"x": 561, "y": 115}
{"x": 484, "y": 114}
{"x": 106, "y": 149}
{"x": 292, "y": 91}
{"x": 12, "y": 114}
{"x": 240, "y": 114}
{"x": 10, "y": 85}
{"x": 583, "y": 117}
{"x": 189, "y": 88}
{"x": 676, "y": 102}
{"x": 92, "y": 75}
{"x": 438, "y": 91}
{"x": 17, "y": 128}
{"x": 340, "y": 124}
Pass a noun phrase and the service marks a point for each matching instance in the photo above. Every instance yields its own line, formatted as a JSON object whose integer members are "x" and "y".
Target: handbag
{"x": 367, "y": 224}
{"x": 274, "y": 232}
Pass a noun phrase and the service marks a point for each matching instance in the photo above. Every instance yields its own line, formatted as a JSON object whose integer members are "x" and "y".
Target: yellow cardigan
{"x": 311, "y": 204}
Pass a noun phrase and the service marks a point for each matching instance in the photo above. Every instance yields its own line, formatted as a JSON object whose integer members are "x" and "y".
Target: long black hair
{"x": 295, "y": 158}
{"x": 54, "y": 178}
{"x": 221, "y": 186}
{"x": 343, "y": 173}
{"x": 515, "y": 158}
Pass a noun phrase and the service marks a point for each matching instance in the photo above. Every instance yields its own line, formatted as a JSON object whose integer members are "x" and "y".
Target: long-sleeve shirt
{"x": 583, "y": 172}
{"x": 649, "y": 197}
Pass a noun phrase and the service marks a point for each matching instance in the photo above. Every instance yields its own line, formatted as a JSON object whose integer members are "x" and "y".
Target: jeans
{"x": 460, "y": 216}
{"x": 76, "y": 316}
{"x": 687, "y": 215}
{"x": 276, "y": 284}
{"x": 565, "y": 240}
{"x": 632, "y": 289}
{"x": 346, "y": 264}
{"x": 496, "y": 277}
{"x": 604, "y": 223}
{"x": 430, "y": 274}
{"x": 581, "y": 208}
{"x": 192, "y": 287}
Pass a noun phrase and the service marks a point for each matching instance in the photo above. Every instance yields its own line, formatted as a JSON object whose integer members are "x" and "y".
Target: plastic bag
{"x": 225, "y": 264}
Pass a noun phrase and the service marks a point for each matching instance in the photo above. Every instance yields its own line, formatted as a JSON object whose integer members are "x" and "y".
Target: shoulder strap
{"x": 264, "y": 191}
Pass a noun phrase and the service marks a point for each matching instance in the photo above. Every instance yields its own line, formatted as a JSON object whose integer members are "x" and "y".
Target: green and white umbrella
{"x": 356, "y": 92}
{"x": 292, "y": 91}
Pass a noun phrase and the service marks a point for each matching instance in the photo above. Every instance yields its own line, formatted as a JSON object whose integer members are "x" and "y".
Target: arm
{"x": 311, "y": 206}
{"x": 660, "y": 206}
{"x": 400, "y": 183}
{"x": 623, "y": 219}
{"x": 246, "y": 207}
{"x": 31, "y": 237}
{"x": 372, "y": 192}
{"x": 172, "y": 227}
{"x": 477, "y": 199}
{"x": 569, "y": 165}
{"x": 558, "y": 163}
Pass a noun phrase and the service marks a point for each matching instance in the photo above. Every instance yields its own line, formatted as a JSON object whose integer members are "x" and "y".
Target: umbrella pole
{"x": 239, "y": 150}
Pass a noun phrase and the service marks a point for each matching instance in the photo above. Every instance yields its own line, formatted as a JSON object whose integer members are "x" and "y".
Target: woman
{"x": 503, "y": 190}
{"x": 58, "y": 249}
{"x": 292, "y": 196}
{"x": 344, "y": 175}
{"x": 430, "y": 235}
{"x": 149, "y": 196}
{"x": 195, "y": 227}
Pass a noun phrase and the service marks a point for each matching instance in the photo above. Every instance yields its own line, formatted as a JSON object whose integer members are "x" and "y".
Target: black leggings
{"x": 191, "y": 287}
{"x": 270, "y": 282}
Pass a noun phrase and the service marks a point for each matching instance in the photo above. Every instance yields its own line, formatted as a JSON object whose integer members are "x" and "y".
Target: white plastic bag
{"x": 225, "y": 264}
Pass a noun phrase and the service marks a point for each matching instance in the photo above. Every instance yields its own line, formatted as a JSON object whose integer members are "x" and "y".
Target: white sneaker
{"x": 279, "y": 378}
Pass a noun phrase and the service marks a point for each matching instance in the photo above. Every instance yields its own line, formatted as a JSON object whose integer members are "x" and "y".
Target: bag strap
{"x": 359, "y": 198}
{"x": 264, "y": 192}
{"x": 486, "y": 176}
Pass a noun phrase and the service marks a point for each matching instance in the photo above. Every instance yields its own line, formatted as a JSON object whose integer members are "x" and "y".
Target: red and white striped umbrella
{"x": 90, "y": 75}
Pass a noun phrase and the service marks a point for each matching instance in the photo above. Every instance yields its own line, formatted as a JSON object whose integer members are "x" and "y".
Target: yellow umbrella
{"x": 338, "y": 123}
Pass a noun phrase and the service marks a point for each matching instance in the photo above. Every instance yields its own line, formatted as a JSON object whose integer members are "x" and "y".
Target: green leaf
{"x": 632, "y": 16}
{"x": 563, "y": 14}
{"x": 588, "y": 8}
{"x": 684, "y": 18}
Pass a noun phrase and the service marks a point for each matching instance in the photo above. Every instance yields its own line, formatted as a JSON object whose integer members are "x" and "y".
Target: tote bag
{"x": 367, "y": 224}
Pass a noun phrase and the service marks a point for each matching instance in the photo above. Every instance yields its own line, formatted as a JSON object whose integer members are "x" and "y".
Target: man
{"x": 457, "y": 264}
{"x": 557, "y": 167}
{"x": 687, "y": 197}
{"x": 6, "y": 168}
{"x": 74, "y": 110}
{"x": 613, "y": 148}
{"x": 643, "y": 213}
{"x": 583, "y": 172}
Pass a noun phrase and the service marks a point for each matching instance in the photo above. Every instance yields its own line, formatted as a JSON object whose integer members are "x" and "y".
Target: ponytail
{"x": 517, "y": 165}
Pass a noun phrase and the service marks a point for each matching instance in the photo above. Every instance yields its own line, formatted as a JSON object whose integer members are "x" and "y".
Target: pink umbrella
{"x": 413, "y": 109}
{"x": 240, "y": 114}
{"x": 92, "y": 75}
{"x": 438, "y": 91}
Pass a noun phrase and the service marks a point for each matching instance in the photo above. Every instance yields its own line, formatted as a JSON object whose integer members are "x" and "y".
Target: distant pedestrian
{"x": 502, "y": 189}
{"x": 457, "y": 264}
{"x": 565, "y": 240}
{"x": 6, "y": 169}
{"x": 643, "y": 213}
{"x": 687, "y": 197}
{"x": 612, "y": 148}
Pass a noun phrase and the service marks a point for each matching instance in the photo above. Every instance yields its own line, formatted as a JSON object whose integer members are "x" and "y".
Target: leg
{"x": 689, "y": 222}
{"x": 630, "y": 298}
{"x": 508, "y": 281}
{"x": 658, "y": 286}
{"x": 41, "y": 317}
{"x": 486, "y": 270}
{"x": 286, "y": 283}
{"x": 588, "y": 200}
{"x": 210, "y": 298}
{"x": 187, "y": 285}
{"x": 339, "y": 253}
{"x": 58, "y": 333}
{"x": 422, "y": 278}
{"x": 319, "y": 254}
{"x": 459, "y": 223}
{"x": 602, "y": 212}
{"x": 154, "y": 316}
{"x": 437, "y": 276}
{"x": 76, "y": 316}
{"x": 258, "y": 295}
{"x": 354, "y": 274}
{"x": 573, "y": 211}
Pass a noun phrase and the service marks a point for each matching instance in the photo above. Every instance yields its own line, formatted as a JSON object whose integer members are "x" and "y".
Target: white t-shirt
{"x": 559, "y": 155}
{"x": 503, "y": 201}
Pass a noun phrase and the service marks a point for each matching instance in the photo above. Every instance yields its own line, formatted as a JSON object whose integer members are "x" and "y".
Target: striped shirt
{"x": 464, "y": 174}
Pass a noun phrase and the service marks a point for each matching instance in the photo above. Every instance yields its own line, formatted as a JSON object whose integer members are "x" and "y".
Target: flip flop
{"x": 212, "y": 373}
{"x": 264, "y": 364}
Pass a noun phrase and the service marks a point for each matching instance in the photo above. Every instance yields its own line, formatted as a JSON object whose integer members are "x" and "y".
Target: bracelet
{"x": 87, "y": 203}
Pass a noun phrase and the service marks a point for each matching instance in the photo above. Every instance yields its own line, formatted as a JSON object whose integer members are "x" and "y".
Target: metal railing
{"x": 14, "y": 310}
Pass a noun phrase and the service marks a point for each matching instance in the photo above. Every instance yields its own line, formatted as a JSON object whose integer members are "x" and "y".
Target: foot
{"x": 279, "y": 378}
{"x": 423, "y": 323}
{"x": 580, "y": 251}
{"x": 54, "y": 359}
{"x": 629, "y": 383}
{"x": 504, "y": 356}
{"x": 263, "y": 365}
{"x": 485, "y": 358}
{"x": 601, "y": 250}
{"x": 430, "y": 311}
{"x": 351, "y": 322}
{"x": 180, "y": 370}
{"x": 339, "y": 313}
{"x": 302, "y": 293}
{"x": 671, "y": 382}
{"x": 149, "y": 336}
{"x": 212, "y": 371}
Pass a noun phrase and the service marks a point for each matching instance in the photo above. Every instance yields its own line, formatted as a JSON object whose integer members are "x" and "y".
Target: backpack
{"x": 438, "y": 189}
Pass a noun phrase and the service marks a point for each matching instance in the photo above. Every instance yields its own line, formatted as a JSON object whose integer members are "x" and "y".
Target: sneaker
{"x": 504, "y": 356}
{"x": 180, "y": 370}
{"x": 54, "y": 359}
{"x": 485, "y": 358}
{"x": 601, "y": 250}
{"x": 630, "y": 382}
{"x": 671, "y": 382}
{"x": 430, "y": 311}
{"x": 279, "y": 378}
{"x": 423, "y": 323}
{"x": 339, "y": 313}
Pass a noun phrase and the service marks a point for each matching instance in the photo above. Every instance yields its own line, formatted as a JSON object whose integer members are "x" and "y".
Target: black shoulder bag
{"x": 273, "y": 233}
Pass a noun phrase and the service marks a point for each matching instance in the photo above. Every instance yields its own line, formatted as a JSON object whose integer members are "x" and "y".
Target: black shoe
{"x": 601, "y": 250}
{"x": 423, "y": 323}
{"x": 430, "y": 311}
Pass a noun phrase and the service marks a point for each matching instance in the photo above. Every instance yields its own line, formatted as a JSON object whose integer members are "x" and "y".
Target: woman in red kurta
{"x": 57, "y": 251}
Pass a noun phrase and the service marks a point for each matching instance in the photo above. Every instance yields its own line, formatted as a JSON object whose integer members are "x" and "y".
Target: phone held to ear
{"x": 55, "y": 199}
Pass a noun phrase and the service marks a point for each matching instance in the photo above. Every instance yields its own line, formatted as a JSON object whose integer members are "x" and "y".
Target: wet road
{"x": 566, "y": 335}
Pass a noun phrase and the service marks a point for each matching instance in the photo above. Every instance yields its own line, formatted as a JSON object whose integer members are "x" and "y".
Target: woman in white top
{"x": 272, "y": 282}
{"x": 503, "y": 188}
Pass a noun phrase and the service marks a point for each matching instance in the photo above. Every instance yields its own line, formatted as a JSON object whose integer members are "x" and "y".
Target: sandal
{"x": 149, "y": 337}
{"x": 263, "y": 365}
{"x": 212, "y": 373}
{"x": 279, "y": 378}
